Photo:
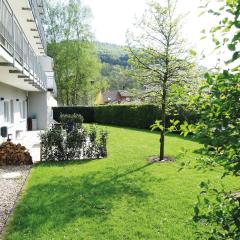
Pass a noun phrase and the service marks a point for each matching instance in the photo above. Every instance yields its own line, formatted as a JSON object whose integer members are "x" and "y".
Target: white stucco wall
{"x": 10, "y": 93}
{"x": 37, "y": 103}
{"x": 51, "y": 102}
{"x": 40, "y": 104}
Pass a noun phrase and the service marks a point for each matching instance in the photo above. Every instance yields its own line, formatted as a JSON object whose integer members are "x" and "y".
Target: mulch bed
{"x": 156, "y": 159}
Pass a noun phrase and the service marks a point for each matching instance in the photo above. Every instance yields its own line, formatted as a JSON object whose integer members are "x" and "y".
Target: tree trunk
{"x": 162, "y": 135}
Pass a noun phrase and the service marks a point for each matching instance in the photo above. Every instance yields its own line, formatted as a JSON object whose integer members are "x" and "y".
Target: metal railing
{"x": 15, "y": 42}
{"x": 38, "y": 20}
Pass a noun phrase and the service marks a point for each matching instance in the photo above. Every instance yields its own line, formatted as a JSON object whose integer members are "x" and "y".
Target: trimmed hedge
{"x": 86, "y": 112}
{"x": 141, "y": 116}
{"x": 137, "y": 116}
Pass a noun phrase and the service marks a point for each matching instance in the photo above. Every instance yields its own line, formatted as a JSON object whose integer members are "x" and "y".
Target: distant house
{"x": 113, "y": 97}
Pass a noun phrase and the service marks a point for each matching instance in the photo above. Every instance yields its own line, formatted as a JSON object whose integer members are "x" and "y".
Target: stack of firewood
{"x": 14, "y": 154}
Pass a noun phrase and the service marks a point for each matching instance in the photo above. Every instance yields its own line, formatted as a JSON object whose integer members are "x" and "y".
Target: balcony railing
{"x": 15, "y": 42}
{"x": 38, "y": 20}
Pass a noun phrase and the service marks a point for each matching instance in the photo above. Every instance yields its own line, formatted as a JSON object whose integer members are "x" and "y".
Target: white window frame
{"x": 22, "y": 105}
{"x": 6, "y": 110}
{"x": 11, "y": 111}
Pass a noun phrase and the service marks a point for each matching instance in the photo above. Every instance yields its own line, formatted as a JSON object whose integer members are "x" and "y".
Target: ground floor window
{"x": 6, "y": 111}
{"x": 9, "y": 111}
{"x": 23, "y": 109}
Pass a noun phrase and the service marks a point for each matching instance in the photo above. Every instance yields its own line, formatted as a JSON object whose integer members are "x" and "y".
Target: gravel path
{"x": 12, "y": 180}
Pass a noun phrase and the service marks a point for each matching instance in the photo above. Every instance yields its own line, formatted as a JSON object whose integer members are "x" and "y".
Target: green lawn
{"x": 120, "y": 197}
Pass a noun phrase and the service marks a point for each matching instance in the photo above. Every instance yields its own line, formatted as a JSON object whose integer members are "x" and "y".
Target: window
{"x": 23, "y": 109}
{"x": 11, "y": 111}
{"x": 6, "y": 112}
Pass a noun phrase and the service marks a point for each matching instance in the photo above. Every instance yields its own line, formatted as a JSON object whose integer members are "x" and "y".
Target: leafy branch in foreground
{"x": 219, "y": 127}
{"x": 220, "y": 211}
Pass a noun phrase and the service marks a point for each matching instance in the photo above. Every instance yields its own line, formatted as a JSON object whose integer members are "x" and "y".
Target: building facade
{"x": 27, "y": 85}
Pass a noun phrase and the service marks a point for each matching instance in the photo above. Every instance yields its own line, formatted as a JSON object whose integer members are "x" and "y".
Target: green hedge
{"x": 86, "y": 112}
{"x": 137, "y": 116}
{"x": 126, "y": 115}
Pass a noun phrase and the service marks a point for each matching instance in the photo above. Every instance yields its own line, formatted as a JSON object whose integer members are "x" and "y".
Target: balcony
{"x": 47, "y": 64}
{"x": 36, "y": 5}
{"x": 18, "y": 52}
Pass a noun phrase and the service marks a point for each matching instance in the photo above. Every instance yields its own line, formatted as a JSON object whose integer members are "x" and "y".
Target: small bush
{"x": 75, "y": 118}
{"x": 71, "y": 121}
{"x": 86, "y": 112}
{"x": 79, "y": 143}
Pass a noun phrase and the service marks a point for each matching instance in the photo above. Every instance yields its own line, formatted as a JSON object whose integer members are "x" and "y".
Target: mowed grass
{"x": 120, "y": 197}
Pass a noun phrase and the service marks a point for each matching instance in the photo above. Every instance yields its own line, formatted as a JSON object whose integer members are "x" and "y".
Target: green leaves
{"x": 235, "y": 56}
{"x": 231, "y": 47}
{"x": 218, "y": 212}
{"x": 218, "y": 128}
{"x": 186, "y": 129}
{"x": 157, "y": 126}
{"x": 193, "y": 52}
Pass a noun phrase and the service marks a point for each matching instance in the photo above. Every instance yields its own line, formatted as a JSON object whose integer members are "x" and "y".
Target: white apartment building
{"x": 27, "y": 85}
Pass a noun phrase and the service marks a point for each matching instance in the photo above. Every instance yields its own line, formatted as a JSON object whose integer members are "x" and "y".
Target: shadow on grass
{"x": 64, "y": 163}
{"x": 175, "y": 135}
{"x": 63, "y": 200}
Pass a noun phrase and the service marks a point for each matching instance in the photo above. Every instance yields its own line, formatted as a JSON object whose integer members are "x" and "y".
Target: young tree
{"x": 158, "y": 55}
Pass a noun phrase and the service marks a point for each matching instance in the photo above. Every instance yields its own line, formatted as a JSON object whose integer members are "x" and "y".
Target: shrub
{"x": 75, "y": 118}
{"x": 71, "y": 121}
{"x": 52, "y": 145}
{"x": 127, "y": 115}
{"x": 79, "y": 143}
{"x": 86, "y": 112}
{"x": 138, "y": 116}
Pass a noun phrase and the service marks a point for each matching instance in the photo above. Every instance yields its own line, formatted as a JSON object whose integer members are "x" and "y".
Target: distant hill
{"x": 112, "y": 54}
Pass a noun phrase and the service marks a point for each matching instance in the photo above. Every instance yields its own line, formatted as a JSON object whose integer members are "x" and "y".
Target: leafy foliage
{"x": 219, "y": 124}
{"x": 72, "y": 118}
{"x": 115, "y": 66}
{"x": 77, "y": 142}
{"x": 138, "y": 116}
{"x": 219, "y": 128}
{"x": 86, "y": 112}
{"x": 112, "y": 54}
{"x": 76, "y": 64}
{"x": 220, "y": 211}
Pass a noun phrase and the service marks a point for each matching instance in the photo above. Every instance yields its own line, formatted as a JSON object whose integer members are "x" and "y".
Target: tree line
{"x": 71, "y": 44}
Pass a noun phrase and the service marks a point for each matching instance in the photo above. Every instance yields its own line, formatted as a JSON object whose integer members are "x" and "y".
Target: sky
{"x": 112, "y": 18}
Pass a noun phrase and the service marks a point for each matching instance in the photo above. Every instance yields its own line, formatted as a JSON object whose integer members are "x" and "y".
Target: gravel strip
{"x": 12, "y": 180}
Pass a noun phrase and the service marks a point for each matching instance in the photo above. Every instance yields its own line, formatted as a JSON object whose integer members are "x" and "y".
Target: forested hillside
{"x": 115, "y": 67}
{"x": 112, "y": 54}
